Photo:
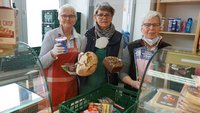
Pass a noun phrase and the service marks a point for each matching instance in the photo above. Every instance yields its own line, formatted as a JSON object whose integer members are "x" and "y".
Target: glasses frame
{"x": 68, "y": 16}
{"x": 103, "y": 15}
{"x": 151, "y": 24}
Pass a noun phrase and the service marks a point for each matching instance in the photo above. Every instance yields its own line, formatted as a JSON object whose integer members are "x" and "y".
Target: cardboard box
{"x": 7, "y": 52}
{"x": 7, "y": 26}
{"x": 8, "y": 30}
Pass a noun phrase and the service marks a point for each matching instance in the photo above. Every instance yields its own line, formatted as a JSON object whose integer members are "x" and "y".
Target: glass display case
{"x": 23, "y": 86}
{"x": 171, "y": 83}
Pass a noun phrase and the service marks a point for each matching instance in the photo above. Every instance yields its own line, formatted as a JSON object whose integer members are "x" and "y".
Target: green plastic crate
{"x": 121, "y": 96}
{"x": 37, "y": 50}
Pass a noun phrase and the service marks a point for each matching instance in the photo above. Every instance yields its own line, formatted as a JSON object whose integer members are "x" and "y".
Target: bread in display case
{"x": 23, "y": 84}
{"x": 171, "y": 83}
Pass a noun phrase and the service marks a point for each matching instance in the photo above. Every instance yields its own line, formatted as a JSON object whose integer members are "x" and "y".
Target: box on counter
{"x": 8, "y": 29}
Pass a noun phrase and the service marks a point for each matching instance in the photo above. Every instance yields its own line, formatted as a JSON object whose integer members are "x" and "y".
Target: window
{"x": 34, "y": 19}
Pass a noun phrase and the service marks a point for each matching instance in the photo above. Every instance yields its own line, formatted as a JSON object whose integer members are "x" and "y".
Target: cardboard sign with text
{"x": 8, "y": 28}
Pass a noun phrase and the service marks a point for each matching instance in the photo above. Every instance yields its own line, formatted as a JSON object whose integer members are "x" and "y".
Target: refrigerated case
{"x": 171, "y": 83}
{"x": 23, "y": 84}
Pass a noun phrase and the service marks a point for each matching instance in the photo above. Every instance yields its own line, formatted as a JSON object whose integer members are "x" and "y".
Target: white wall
{"x": 83, "y": 7}
{"x": 118, "y": 17}
{"x": 142, "y": 7}
{"x": 22, "y": 20}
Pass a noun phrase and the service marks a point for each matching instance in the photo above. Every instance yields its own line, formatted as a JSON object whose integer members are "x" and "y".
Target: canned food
{"x": 63, "y": 42}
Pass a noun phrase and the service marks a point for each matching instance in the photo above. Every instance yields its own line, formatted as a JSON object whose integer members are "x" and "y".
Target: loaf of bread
{"x": 87, "y": 64}
{"x": 113, "y": 64}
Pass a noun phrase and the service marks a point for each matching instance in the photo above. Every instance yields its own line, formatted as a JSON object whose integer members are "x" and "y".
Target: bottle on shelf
{"x": 174, "y": 25}
{"x": 183, "y": 24}
{"x": 188, "y": 25}
{"x": 162, "y": 24}
{"x": 170, "y": 21}
{"x": 178, "y": 25}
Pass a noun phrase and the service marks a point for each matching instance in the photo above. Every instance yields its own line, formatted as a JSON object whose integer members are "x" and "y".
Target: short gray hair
{"x": 66, "y": 7}
{"x": 105, "y": 6}
{"x": 152, "y": 14}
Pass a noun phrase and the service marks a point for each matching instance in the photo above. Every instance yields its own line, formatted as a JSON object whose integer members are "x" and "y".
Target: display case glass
{"x": 23, "y": 86}
{"x": 171, "y": 83}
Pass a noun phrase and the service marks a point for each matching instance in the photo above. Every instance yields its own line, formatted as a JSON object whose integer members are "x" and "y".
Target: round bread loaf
{"x": 87, "y": 64}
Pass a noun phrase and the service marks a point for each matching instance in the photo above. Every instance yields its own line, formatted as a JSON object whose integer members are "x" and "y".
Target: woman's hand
{"x": 57, "y": 49}
{"x": 135, "y": 84}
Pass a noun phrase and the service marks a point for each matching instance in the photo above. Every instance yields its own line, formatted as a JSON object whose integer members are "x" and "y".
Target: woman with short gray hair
{"x": 66, "y": 7}
{"x": 104, "y": 40}
{"x": 53, "y": 55}
{"x": 139, "y": 52}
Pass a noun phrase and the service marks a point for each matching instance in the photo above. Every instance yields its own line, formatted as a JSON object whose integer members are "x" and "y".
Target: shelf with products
{"x": 182, "y": 9}
{"x": 170, "y": 1}
{"x": 171, "y": 82}
{"x": 177, "y": 33}
{"x": 23, "y": 84}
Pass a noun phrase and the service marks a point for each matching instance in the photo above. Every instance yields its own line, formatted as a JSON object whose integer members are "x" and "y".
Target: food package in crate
{"x": 112, "y": 98}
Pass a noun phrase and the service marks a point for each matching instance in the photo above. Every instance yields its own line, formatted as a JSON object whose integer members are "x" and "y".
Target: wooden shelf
{"x": 183, "y": 9}
{"x": 175, "y": 1}
{"x": 177, "y": 33}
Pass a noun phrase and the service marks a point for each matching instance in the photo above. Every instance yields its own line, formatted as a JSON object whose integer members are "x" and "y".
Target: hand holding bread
{"x": 86, "y": 65}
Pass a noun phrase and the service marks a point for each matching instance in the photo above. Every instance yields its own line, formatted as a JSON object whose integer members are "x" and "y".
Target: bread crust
{"x": 87, "y": 64}
{"x": 113, "y": 64}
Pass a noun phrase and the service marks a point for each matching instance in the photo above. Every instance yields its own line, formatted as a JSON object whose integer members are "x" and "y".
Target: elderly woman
{"x": 139, "y": 52}
{"x": 61, "y": 84}
{"x": 103, "y": 40}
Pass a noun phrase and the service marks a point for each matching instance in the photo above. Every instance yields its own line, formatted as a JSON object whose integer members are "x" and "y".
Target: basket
{"x": 120, "y": 96}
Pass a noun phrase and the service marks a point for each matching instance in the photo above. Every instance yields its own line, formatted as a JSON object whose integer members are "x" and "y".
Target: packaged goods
{"x": 165, "y": 99}
{"x": 8, "y": 29}
{"x": 162, "y": 26}
{"x": 174, "y": 25}
{"x": 189, "y": 99}
{"x": 170, "y": 21}
{"x": 183, "y": 26}
{"x": 188, "y": 25}
{"x": 62, "y": 41}
{"x": 178, "y": 25}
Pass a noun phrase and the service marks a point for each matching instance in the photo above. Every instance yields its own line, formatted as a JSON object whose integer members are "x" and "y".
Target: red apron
{"x": 62, "y": 85}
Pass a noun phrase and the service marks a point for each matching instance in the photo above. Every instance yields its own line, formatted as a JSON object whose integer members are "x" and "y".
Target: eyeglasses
{"x": 103, "y": 15}
{"x": 151, "y": 24}
{"x": 68, "y": 16}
